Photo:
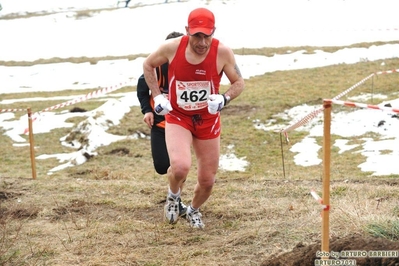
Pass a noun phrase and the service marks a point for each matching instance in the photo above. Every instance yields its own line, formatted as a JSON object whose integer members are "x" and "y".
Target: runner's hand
{"x": 149, "y": 119}
{"x": 162, "y": 105}
{"x": 215, "y": 103}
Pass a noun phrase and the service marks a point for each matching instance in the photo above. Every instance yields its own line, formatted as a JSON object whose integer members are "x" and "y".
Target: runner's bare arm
{"x": 154, "y": 60}
{"x": 163, "y": 54}
{"x": 232, "y": 71}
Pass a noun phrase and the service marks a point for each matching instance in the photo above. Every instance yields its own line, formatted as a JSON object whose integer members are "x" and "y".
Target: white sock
{"x": 170, "y": 193}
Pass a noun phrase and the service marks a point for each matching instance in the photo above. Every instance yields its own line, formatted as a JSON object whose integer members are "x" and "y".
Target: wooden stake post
{"x": 32, "y": 145}
{"x": 325, "y": 234}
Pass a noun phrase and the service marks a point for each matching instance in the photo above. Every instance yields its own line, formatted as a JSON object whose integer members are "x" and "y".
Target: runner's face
{"x": 200, "y": 42}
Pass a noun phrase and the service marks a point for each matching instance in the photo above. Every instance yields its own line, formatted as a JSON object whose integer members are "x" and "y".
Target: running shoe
{"x": 182, "y": 209}
{"x": 171, "y": 209}
{"x": 194, "y": 218}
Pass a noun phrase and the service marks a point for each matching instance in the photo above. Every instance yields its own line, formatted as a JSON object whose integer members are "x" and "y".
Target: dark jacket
{"x": 146, "y": 100}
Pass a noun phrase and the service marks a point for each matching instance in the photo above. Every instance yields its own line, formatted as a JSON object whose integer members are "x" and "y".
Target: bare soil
{"x": 306, "y": 255}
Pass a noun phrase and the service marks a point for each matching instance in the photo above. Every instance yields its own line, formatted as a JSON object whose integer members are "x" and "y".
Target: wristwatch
{"x": 226, "y": 99}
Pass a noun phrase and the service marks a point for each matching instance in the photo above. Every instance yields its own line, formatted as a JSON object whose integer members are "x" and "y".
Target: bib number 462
{"x": 193, "y": 96}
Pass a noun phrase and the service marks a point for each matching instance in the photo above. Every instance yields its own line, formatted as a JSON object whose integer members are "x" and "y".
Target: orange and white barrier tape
{"x": 316, "y": 197}
{"x": 88, "y": 96}
{"x": 314, "y": 113}
{"x": 12, "y": 110}
{"x": 319, "y": 200}
{"x": 362, "y": 105}
{"x": 387, "y": 72}
{"x": 353, "y": 87}
{"x": 301, "y": 122}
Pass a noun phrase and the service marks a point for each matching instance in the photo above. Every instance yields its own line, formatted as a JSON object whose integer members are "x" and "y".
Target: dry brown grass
{"x": 108, "y": 211}
{"x": 82, "y": 221}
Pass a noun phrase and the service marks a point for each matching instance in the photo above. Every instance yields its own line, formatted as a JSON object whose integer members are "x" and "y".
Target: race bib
{"x": 192, "y": 95}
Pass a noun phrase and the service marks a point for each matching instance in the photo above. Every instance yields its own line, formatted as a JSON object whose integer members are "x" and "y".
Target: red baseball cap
{"x": 201, "y": 20}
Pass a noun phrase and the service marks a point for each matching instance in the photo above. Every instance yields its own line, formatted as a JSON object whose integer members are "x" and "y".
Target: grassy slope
{"x": 108, "y": 211}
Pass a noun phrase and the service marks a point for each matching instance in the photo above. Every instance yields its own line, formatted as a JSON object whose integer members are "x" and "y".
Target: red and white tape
{"x": 353, "y": 87}
{"x": 313, "y": 114}
{"x": 12, "y": 110}
{"x": 362, "y": 105}
{"x": 301, "y": 122}
{"x": 316, "y": 196}
{"x": 387, "y": 72}
{"x": 319, "y": 200}
{"x": 88, "y": 96}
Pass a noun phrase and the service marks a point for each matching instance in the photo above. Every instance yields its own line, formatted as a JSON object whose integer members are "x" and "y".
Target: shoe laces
{"x": 173, "y": 203}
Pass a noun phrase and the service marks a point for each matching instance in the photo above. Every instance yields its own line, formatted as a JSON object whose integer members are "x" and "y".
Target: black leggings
{"x": 159, "y": 152}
